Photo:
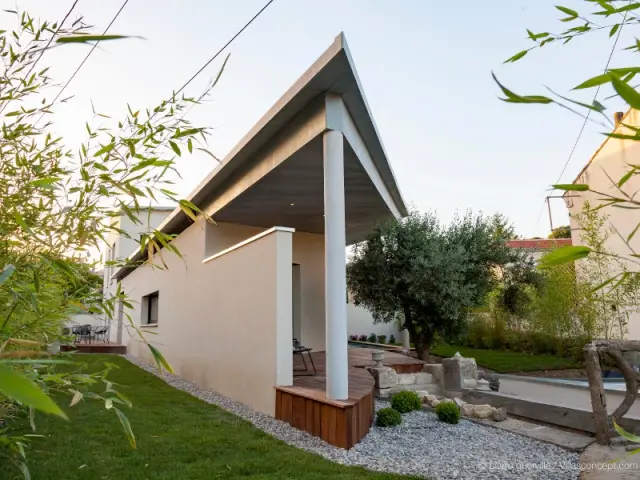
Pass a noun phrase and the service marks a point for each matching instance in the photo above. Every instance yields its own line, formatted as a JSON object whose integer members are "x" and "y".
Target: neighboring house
{"x": 538, "y": 247}
{"x": 120, "y": 247}
{"x": 606, "y": 167}
{"x": 311, "y": 178}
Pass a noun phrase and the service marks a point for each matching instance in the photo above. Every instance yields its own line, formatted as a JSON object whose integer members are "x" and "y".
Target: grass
{"x": 178, "y": 436}
{"x": 507, "y": 362}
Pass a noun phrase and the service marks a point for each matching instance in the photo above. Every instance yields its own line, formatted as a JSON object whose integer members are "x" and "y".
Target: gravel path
{"x": 421, "y": 445}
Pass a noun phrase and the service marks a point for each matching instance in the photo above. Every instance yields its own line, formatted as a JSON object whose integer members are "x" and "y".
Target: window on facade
{"x": 150, "y": 304}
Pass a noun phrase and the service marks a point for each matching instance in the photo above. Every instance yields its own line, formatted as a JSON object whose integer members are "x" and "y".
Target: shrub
{"x": 353, "y": 338}
{"x": 373, "y": 338}
{"x": 392, "y": 339}
{"x": 388, "y": 417}
{"x": 448, "y": 412}
{"x": 382, "y": 339}
{"x": 362, "y": 338}
{"x": 405, "y": 401}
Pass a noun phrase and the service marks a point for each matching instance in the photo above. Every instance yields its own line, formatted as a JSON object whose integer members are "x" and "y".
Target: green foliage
{"x": 388, "y": 417}
{"x": 58, "y": 204}
{"x": 448, "y": 412}
{"x": 509, "y": 361}
{"x": 611, "y": 16}
{"x": 405, "y": 401}
{"x": 373, "y": 338}
{"x": 561, "y": 232}
{"x": 382, "y": 339}
{"x": 431, "y": 274}
{"x": 392, "y": 339}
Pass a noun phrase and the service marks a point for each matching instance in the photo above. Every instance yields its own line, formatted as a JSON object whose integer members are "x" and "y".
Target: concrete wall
{"x": 612, "y": 160}
{"x": 224, "y": 322}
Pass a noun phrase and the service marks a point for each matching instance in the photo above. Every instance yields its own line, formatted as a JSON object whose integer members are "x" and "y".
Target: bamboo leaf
{"x": 126, "y": 426}
{"x": 512, "y": 97}
{"x": 175, "y": 148}
{"x": 105, "y": 149}
{"x": 77, "y": 396}
{"x": 623, "y": 433}
{"x": 16, "y": 387}
{"x": 161, "y": 362}
{"x": 571, "y": 187}
{"x": 88, "y": 38}
{"x": 627, "y": 92}
{"x": 564, "y": 255}
{"x": 516, "y": 57}
{"x": 6, "y": 273}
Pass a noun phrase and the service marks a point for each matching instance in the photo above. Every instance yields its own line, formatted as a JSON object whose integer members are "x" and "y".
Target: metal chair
{"x": 101, "y": 333}
{"x": 301, "y": 350}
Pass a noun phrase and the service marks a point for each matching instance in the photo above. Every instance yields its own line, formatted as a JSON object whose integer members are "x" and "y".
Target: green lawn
{"x": 179, "y": 437}
{"x": 505, "y": 361}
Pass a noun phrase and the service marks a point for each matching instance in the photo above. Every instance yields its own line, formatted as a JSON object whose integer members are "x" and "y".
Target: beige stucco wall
{"x": 220, "y": 322}
{"x": 612, "y": 161}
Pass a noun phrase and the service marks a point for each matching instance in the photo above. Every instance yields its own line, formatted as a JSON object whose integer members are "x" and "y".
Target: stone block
{"x": 435, "y": 369}
{"x": 467, "y": 410}
{"x": 406, "y": 378}
{"x": 459, "y": 402}
{"x": 385, "y": 377}
{"x": 482, "y": 411}
{"x": 430, "y": 398}
{"x": 499, "y": 414}
{"x": 435, "y": 403}
{"x": 423, "y": 394}
{"x": 469, "y": 383}
{"x": 423, "y": 377}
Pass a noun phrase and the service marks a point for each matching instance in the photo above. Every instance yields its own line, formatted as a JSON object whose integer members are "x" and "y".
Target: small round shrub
{"x": 388, "y": 417}
{"x": 448, "y": 412}
{"x": 405, "y": 401}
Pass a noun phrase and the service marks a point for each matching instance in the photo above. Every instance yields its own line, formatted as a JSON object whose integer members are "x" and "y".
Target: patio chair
{"x": 299, "y": 349}
{"x": 100, "y": 333}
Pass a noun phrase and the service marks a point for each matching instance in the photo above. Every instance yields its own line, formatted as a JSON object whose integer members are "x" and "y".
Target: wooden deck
{"x": 95, "y": 348}
{"x": 342, "y": 423}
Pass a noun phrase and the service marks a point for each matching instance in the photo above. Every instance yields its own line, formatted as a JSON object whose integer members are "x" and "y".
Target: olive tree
{"x": 431, "y": 274}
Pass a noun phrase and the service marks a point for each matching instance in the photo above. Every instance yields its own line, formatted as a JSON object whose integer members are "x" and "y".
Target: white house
{"x": 311, "y": 178}
{"x": 610, "y": 162}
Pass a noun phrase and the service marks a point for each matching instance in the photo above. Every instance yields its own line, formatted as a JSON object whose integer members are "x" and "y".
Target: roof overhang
{"x": 295, "y": 121}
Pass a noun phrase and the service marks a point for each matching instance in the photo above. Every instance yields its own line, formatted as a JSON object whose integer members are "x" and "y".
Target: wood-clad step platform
{"x": 95, "y": 348}
{"x": 306, "y": 407}
{"x": 340, "y": 423}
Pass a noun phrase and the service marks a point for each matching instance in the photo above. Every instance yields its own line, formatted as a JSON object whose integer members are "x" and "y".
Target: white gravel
{"x": 421, "y": 445}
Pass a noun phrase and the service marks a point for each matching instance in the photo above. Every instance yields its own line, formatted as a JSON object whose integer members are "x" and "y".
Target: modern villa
{"x": 269, "y": 263}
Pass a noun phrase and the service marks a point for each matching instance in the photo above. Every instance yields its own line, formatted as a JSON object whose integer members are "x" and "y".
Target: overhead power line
{"x": 95, "y": 45}
{"x": 586, "y": 118}
{"x": 64, "y": 19}
{"x": 238, "y": 33}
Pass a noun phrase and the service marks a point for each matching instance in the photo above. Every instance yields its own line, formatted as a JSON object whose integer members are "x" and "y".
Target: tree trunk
{"x": 598, "y": 397}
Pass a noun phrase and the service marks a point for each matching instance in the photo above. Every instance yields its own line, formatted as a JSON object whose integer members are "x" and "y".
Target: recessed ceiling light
{"x": 292, "y": 204}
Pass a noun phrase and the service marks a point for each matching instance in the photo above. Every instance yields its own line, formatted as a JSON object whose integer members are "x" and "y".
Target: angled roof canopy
{"x": 283, "y": 154}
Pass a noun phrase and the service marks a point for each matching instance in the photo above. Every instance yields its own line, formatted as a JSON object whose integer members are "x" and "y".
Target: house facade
{"x": 266, "y": 262}
{"x": 608, "y": 165}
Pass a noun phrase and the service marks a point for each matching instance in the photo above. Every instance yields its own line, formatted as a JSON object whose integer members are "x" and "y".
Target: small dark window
{"x": 150, "y": 304}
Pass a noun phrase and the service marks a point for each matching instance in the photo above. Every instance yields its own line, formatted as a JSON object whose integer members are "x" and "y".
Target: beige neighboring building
{"x": 269, "y": 263}
{"x": 606, "y": 167}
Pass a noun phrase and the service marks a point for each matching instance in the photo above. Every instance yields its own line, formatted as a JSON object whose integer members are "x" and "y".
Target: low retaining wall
{"x": 553, "y": 414}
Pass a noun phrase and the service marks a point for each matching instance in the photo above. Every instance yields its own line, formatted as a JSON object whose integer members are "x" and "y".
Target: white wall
{"x": 360, "y": 322}
{"x": 612, "y": 160}
{"x": 224, "y": 323}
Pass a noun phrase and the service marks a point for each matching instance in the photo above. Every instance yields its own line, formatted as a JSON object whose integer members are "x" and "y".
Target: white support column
{"x": 335, "y": 278}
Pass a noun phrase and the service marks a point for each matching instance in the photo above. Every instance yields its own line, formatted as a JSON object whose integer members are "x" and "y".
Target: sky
{"x": 425, "y": 67}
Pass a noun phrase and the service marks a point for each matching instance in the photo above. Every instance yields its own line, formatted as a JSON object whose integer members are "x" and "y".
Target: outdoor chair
{"x": 100, "y": 333}
{"x": 301, "y": 350}
{"x": 82, "y": 332}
